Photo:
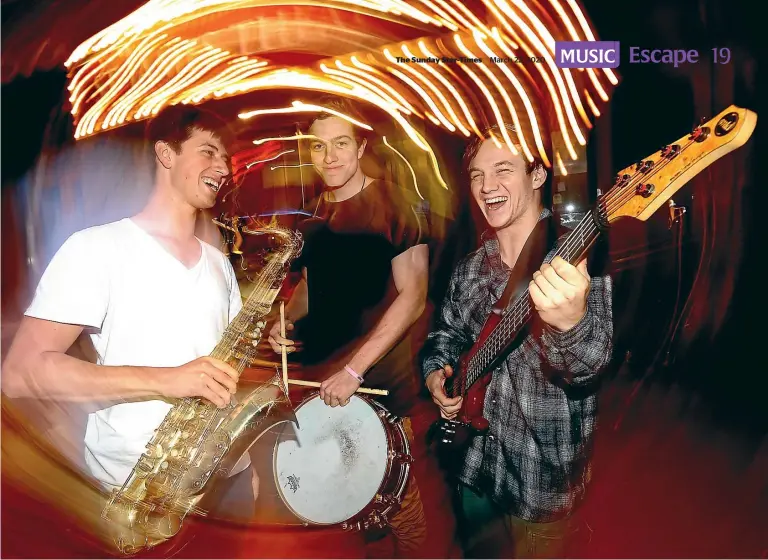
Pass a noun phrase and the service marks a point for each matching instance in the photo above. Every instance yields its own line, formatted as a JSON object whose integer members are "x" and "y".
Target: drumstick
{"x": 284, "y": 351}
{"x": 383, "y": 392}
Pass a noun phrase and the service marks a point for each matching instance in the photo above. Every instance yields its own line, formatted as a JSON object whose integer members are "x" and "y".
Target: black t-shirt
{"x": 348, "y": 251}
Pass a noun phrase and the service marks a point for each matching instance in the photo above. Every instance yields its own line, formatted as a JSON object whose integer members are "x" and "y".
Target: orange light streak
{"x": 504, "y": 95}
{"x": 443, "y": 99}
{"x": 410, "y": 167}
{"x": 418, "y": 89}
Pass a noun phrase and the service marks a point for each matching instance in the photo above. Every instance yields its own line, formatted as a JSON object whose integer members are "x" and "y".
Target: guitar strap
{"x": 538, "y": 245}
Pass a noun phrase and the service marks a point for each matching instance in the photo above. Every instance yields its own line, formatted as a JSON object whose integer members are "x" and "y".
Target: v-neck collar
{"x": 162, "y": 247}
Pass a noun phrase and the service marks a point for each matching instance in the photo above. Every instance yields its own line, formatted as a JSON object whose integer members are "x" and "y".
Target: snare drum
{"x": 346, "y": 465}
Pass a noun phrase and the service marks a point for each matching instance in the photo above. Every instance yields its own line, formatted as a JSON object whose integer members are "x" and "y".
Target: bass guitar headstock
{"x": 642, "y": 188}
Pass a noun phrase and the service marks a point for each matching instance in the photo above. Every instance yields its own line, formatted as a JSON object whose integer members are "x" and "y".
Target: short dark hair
{"x": 344, "y": 106}
{"x": 175, "y": 124}
{"x": 530, "y": 166}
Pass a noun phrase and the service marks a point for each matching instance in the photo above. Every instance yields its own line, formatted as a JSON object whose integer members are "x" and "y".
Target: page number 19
{"x": 721, "y": 55}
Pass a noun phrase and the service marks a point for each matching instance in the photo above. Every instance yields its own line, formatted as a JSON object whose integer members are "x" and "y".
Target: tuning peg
{"x": 644, "y": 166}
{"x": 670, "y": 151}
{"x": 622, "y": 179}
{"x": 700, "y": 133}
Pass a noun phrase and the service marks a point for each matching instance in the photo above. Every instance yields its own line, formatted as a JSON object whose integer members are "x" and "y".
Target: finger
{"x": 540, "y": 301}
{"x": 438, "y": 393}
{"x": 222, "y": 379}
{"x": 567, "y": 289}
{"x": 446, "y": 415}
{"x": 220, "y": 390}
{"x": 325, "y": 393}
{"x": 582, "y": 268}
{"x": 568, "y": 272}
{"x": 212, "y": 397}
{"x": 547, "y": 288}
{"x": 282, "y": 341}
{"x": 223, "y": 366}
{"x": 445, "y": 400}
{"x": 215, "y": 392}
{"x": 448, "y": 370}
{"x": 452, "y": 409}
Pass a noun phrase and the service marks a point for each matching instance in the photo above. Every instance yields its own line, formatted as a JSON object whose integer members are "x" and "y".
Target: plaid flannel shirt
{"x": 541, "y": 403}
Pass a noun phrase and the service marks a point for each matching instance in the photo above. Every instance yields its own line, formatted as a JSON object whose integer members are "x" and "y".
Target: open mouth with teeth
{"x": 212, "y": 184}
{"x": 495, "y": 203}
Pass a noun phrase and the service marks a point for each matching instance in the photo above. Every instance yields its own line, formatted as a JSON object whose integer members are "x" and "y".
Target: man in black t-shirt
{"x": 364, "y": 284}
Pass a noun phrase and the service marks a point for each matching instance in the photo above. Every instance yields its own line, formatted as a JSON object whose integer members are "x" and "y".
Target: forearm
{"x": 586, "y": 349}
{"x": 57, "y": 376}
{"x": 449, "y": 338}
{"x": 396, "y": 321}
{"x": 298, "y": 305}
{"x": 442, "y": 348}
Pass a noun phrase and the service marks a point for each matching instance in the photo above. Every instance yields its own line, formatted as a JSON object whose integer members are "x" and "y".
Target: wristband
{"x": 353, "y": 373}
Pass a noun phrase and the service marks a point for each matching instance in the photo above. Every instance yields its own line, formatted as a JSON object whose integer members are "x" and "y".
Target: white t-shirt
{"x": 150, "y": 311}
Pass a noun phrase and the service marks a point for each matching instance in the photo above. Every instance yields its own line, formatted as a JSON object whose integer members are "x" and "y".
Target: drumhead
{"x": 331, "y": 468}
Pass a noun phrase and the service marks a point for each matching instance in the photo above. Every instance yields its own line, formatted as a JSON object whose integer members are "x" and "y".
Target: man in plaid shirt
{"x": 522, "y": 481}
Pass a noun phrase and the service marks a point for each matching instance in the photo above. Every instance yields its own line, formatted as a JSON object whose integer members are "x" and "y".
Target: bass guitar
{"x": 639, "y": 190}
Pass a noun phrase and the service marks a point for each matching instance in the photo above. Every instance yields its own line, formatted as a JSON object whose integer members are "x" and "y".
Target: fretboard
{"x": 516, "y": 316}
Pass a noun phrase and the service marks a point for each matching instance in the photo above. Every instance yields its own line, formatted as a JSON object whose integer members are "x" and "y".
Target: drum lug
{"x": 377, "y": 520}
{"x": 386, "y": 499}
{"x": 401, "y": 457}
{"x": 395, "y": 420}
{"x": 352, "y": 526}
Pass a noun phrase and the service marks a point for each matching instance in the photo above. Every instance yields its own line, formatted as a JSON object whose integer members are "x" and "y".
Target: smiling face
{"x": 501, "y": 187}
{"x": 198, "y": 169}
{"x": 334, "y": 150}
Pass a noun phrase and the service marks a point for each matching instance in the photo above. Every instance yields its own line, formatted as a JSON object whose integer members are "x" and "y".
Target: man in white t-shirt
{"x": 154, "y": 299}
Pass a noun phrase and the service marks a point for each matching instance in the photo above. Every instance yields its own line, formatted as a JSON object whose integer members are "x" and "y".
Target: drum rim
{"x": 309, "y": 398}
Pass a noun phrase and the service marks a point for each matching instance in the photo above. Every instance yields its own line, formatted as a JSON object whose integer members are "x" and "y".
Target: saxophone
{"x": 197, "y": 443}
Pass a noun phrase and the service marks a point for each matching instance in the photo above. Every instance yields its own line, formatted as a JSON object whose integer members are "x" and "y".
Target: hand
{"x": 449, "y": 408}
{"x": 559, "y": 293}
{"x": 205, "y": 377}
{"x": 337, "y": 389}
{"x": 254, "y": 336}
{"x": 277, "y": 342}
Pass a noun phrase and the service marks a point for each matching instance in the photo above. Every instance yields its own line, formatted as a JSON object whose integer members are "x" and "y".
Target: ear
{"x": 539, "y": 177}
{"x": 163, "y": 153}
{"x": 361, "y": 149}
